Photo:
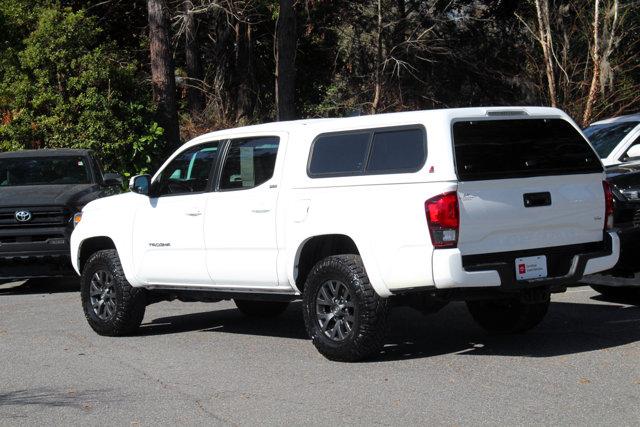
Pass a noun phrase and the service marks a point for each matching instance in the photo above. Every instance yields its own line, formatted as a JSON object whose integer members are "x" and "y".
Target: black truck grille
{"x": 40, "y": 217}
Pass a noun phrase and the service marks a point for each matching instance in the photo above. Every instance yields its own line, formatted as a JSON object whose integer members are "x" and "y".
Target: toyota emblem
{"x": 23, "y": 216}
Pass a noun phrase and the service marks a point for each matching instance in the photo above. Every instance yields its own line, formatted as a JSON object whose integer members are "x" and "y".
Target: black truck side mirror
{"x": 112, "y": 179}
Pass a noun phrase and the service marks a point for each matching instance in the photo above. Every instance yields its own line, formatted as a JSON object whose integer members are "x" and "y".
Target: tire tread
{"x": 130, "y": 307}
{"x": 373, "y": 314}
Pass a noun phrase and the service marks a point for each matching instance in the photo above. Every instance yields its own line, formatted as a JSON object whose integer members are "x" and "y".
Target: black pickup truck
{"x": 40, "y": 191}
{"x": 625, "y": 180}
{"x": 624, "y": 278}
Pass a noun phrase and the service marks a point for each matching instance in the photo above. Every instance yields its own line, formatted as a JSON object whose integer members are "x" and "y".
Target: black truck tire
{"x": 343, "y": 315}
{"x": 508, "y": 316}
{"x": 111, "y": 305}
{"x": 261, "y": 308}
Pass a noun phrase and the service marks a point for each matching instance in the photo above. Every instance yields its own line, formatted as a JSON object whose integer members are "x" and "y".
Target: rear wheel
{"x": 507, "y": 316}
{"x": 261, "y": 308}
{"x": 617, "y": 291}
{"x": 111, "y": 305}
{"x": 344, "y": 316}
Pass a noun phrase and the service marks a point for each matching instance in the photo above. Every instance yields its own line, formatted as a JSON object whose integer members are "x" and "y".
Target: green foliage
{"x": 146, "y": 146}
{"x": 63, "y": 85}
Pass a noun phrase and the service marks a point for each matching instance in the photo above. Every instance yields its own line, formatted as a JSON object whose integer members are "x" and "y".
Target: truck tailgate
{"x": 525, "y": 184}
{"x": 508, "y": 215}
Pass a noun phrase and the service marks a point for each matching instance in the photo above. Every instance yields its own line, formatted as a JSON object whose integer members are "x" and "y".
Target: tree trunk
{"x": 595, "y": 54}
{"x": 597, "y": 61}
{"x": 544, "y": 34}
{"x": 243, "y": 75}
{"x": 286, "y": 41}
{"x": 162, "y": 72}
{"x": 378, "y": 64}
{"x": 401, "y": 23}
{"x": 195, "y": 99}
{"x": 399, "y": 38}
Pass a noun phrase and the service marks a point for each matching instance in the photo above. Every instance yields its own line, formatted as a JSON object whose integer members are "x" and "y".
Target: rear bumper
{"x": 567, "y": 265}
{"x": 629, "y": 261}
{"x": 626, "y": 272}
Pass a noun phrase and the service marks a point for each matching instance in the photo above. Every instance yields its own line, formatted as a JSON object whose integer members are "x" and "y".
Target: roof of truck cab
{"x": 60, "y": 152}
{"x": 377, "y": 120}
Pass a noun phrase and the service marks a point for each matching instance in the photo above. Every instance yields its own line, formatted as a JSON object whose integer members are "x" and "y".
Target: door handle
{"x": 532, "y": 200}
{"x": 193, "y": 213}
{"x": 260, "y": 210}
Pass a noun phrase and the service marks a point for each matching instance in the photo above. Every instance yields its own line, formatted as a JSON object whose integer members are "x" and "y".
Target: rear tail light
{"x": 608, "y": 203}
{"x": 443, "y": 217}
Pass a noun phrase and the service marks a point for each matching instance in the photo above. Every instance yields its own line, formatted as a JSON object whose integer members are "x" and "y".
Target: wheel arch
{"x": 92, "y": 245}
{"x": 317, "y": 247}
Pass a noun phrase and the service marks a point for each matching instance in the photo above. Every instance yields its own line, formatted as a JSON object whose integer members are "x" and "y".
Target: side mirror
{"x": 140, "y": 184}
{"x": 112, "y": 179}
{"x": 633, "y": 152}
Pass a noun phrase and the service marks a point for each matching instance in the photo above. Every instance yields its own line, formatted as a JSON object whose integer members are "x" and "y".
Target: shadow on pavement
{"x": 41, "y": 286}
{"x": 630, "y": 299}
{"x": 288, "y": 325}
{"x": 568, "y": 328}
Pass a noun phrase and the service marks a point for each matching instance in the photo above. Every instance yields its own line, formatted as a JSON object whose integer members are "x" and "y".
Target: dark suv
{"x": 40, "y": 191}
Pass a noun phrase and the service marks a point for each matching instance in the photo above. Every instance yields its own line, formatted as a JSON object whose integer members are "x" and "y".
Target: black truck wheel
{"x": 344, "y": 316}
{"x": 111, "y": 305}
{"x": 261, "y": 308}
{"x": 506, "y": 316}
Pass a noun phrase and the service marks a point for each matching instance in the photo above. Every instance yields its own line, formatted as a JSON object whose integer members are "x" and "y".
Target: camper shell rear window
{"x": 503, "y": 149}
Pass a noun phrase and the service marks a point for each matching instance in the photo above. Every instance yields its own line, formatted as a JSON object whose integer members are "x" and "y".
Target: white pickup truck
{"x": 498, "y": 207}
{"x": 616, "y": 140}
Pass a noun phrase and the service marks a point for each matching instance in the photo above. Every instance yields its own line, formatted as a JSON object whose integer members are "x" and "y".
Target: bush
{"x": 66, "y": 86}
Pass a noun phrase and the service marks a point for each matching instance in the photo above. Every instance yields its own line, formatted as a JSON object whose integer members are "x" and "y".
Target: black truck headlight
{"x": 77, "y": 218}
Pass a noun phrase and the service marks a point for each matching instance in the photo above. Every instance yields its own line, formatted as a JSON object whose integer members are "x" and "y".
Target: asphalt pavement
{"x": 206, "y": 364}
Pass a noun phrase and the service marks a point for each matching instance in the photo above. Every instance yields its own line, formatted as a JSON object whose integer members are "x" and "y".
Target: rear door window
{"x": 502, "y": 149}
{"x": 249, "y": 163}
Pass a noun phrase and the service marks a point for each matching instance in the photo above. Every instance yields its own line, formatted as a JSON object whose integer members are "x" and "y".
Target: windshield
{"x": 605, "y": 137}
{"x": 44, "y": 171}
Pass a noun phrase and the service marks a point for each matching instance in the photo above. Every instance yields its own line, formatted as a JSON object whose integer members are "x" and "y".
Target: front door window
{"x": 189, "y": 172}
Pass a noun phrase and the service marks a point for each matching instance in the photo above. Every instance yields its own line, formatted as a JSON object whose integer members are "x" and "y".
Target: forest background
{"x": 133, "y": 79}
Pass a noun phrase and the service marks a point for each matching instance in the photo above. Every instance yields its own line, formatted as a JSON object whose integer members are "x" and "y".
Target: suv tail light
{"x": 608, "y": 206}
{"x": 443, "y": 216}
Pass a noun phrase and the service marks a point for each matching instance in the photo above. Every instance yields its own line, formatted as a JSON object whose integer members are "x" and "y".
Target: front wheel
{"x": 344, "y": 316}
{"x": 507, "y": 316}
{"x": 111, "y": 305}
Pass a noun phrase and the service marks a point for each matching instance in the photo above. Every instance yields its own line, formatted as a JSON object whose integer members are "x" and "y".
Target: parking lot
{"x": 205, "y": 363}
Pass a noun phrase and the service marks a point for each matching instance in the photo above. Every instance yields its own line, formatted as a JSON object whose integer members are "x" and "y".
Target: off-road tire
{"x": 508, "y": 316}
{"x": 366, "y": 337}
{"x": 130, "y": 301}
{"x": 261, "y": 308}
{"x": 617, "y": 291}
